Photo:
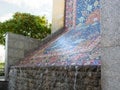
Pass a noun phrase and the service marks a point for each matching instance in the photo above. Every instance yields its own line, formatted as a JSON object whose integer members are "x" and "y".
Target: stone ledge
{"x": 55, "y": 78}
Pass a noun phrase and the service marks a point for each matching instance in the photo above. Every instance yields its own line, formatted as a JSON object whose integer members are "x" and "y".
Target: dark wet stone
{"x": 56, "y": 78}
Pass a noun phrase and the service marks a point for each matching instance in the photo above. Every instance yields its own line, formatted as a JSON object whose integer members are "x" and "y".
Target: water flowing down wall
{"x": 55, "y": 78}
{"x": 110, "y": 42}
{"x": 57, "y": 64}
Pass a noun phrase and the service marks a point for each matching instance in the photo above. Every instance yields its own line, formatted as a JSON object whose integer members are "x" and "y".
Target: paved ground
{"x": 2, "y": 78}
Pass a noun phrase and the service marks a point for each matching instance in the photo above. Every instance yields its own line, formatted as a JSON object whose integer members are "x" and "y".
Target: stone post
{"x": 58, "y": 15}
{"x": 110, "y": 32}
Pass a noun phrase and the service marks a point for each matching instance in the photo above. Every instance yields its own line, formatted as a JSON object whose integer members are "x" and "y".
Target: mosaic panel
{"x": 79, "y": 45}
{"x": 70, "y": 11}
{"x": 76, "y": 47}
{"x": 87, "y": 12}
{"x": 82, "y": 12}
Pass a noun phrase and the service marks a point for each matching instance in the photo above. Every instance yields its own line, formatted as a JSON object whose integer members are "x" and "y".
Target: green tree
{"x": 27, "y": 25}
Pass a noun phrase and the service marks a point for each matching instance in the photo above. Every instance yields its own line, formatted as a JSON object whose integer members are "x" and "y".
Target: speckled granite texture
{"x": 55, "y": 78}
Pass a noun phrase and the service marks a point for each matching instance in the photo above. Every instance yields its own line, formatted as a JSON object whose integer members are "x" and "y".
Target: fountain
{"x": 70, "y": 61}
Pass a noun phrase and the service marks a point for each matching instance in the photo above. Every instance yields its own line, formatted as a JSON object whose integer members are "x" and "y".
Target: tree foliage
{"x": 27, "y": 25}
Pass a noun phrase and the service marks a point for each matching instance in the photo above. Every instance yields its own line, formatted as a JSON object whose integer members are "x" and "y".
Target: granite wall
{"x": 110, "y": 42}
{"x": 17, "y": 46}
{"x": 55, "y": 78}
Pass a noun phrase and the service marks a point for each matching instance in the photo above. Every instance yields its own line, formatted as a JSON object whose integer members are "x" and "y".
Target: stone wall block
{"x": 28, "y": 78}
{"x": 110, "y": 23}
{"x": 17, "y": 53}
{"x": 110, "y": 55}
{"x": 19, "y": 44}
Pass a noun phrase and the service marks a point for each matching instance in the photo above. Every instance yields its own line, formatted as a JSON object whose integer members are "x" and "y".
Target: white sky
{"x": 2, "y": 53}
{"x": 35, "y": 7}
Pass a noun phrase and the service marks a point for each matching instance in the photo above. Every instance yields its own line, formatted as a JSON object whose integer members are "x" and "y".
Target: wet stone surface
{"x": 55, "y": 78}
{"x": 3, "y": 85}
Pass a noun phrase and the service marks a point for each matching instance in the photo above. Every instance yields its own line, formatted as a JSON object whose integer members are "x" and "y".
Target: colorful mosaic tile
{"x": 76, "y": 47}
{"x": 87, "y": 11}
{"x": 79, "y": 45}
{"x": 69, "y": 18}
{"x": 81, "y": 12}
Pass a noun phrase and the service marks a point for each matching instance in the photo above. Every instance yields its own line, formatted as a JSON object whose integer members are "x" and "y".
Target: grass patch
{"x": 2, "y": 69}
{"x": 2, "y": 65}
